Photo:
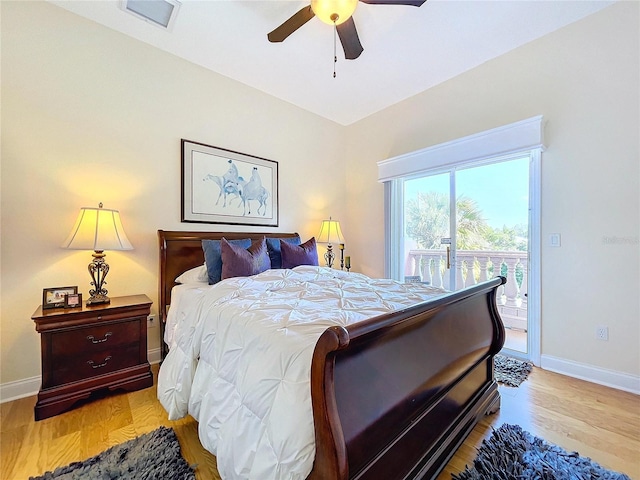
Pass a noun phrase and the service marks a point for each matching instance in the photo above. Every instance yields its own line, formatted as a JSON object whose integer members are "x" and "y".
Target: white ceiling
{"x": 406, "y": 49}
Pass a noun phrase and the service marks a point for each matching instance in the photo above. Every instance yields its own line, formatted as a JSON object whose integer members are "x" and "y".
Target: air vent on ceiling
{"x": 161, "y": 13}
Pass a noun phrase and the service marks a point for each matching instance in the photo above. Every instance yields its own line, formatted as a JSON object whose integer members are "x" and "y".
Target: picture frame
{"x": 55, "y": 297}
{"x": 73, "y": 300}
{"x": 227, "y": 187}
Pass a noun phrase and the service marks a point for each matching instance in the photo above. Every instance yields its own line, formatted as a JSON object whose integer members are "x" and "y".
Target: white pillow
{"x": 194, "y": 275}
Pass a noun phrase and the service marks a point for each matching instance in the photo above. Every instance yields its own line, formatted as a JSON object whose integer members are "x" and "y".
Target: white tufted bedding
{"x": 240, "y": 360}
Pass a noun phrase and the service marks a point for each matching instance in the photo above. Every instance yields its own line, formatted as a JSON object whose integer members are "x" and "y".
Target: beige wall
{"x": 585, "y": 80}
{"x": 90, "y": 115}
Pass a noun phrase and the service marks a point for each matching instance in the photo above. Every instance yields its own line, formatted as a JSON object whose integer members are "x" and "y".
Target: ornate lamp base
{"x": 329, "y": 256}
{"x": 98, "y": 270}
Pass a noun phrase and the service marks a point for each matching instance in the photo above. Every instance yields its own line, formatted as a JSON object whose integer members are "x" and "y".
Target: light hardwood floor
{"x": 598, "y": 422}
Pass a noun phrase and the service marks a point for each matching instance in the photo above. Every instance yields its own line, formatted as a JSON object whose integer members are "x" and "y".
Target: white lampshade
{"x": 97, "y": 229}
{"x": 328, "y": 10}
{"x": 330, "y": 232}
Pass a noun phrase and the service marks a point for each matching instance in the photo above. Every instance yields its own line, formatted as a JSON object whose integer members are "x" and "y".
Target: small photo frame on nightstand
{"x": 55, "y": 297}
{"x": 73, "y": 300}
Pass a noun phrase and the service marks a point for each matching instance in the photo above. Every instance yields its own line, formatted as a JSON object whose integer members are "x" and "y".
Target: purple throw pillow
{"x": 213, "y": 256}
{"x": 303, "y": 254}
{"x": 273, "y": 247}
{"x": 244, "y": 262}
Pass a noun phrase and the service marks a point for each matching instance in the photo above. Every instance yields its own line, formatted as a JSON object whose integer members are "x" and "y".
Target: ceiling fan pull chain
{"x": 335, "y": 56}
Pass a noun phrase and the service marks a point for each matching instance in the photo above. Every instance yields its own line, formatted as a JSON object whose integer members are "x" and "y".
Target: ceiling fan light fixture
{"x": 334, "y": 12}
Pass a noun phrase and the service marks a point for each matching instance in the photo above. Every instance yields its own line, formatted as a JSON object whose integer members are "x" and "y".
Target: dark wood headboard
{"x": 180, "y": 251}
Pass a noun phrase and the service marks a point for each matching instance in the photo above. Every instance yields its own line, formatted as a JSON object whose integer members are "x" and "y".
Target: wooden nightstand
{"x": 91, "y": 348}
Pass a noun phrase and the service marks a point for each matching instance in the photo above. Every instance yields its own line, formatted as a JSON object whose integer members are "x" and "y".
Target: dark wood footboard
{"x": 394, "y": 396}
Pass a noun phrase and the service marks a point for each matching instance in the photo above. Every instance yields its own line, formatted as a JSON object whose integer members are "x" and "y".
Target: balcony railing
{"x": 472, "y": 267}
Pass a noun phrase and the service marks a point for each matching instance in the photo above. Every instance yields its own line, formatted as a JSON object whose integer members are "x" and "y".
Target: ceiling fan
{"x": 337, "y": 13}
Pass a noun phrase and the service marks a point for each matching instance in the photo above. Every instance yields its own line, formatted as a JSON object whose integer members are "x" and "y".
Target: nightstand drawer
{"x": 94, "y": 338}
{"x": 86, "y": 365}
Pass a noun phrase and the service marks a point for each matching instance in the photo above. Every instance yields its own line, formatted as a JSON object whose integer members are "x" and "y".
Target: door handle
{"x": 448, "y": 257}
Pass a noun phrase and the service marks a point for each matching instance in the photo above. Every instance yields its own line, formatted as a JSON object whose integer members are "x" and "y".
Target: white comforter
{"x": 240, "y": 360}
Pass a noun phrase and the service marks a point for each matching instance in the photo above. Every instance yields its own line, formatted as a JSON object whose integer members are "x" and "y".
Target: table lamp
{"x": 98, "y": 229}
{"x": 330, "y": 233}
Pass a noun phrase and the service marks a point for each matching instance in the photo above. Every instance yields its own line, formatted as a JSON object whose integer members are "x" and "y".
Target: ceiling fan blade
{"x": 288, "y": 27}
{"x": 349, "y": 39}
{"x": 415, "y": 3}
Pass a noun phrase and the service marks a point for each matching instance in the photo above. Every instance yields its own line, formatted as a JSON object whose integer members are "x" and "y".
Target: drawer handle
{"x": 104, "y": 364}
{"x": 92, "y": 339}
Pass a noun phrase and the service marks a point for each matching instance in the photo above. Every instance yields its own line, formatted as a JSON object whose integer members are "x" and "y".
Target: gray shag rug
{"x": 512, "y": 453}
{"x": 153, "y": 456}
{"x": 510, "y": 371}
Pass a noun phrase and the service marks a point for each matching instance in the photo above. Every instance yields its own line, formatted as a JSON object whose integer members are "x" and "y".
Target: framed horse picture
{"x": 223, "y": 186}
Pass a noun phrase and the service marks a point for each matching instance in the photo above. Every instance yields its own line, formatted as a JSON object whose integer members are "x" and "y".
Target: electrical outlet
{"x": 151, "y": 321}
{"x": 602, "y": 333}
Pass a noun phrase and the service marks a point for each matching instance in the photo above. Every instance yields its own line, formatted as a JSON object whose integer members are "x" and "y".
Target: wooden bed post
{"x": 331, "y": 453}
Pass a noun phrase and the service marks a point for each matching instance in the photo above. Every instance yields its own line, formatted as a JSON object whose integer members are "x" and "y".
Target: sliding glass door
{"x": 490, "y": 182}
{"x": 470, "y": 223}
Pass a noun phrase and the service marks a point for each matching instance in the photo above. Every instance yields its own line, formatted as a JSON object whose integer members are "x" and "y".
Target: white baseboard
{"x": 19, "y": 389}
{"x": 29, "y": 386}
{"x": 601, "y": 376}
{"x": 154, "y": 356}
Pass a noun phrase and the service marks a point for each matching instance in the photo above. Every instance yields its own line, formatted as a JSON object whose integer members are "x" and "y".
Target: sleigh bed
{"x": 392, "y": 396}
